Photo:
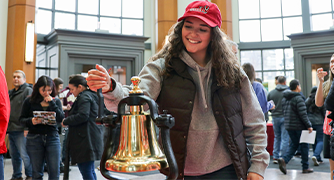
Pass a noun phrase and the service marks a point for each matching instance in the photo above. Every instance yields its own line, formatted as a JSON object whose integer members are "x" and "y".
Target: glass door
{"x": 315, "y": 79}
{"x": 82, "y": 66}
{"x": 120, "y": 70}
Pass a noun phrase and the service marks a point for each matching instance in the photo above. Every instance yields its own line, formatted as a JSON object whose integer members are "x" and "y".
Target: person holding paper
{"x": 295, "y": 120}
{"x": 43, "y": 142}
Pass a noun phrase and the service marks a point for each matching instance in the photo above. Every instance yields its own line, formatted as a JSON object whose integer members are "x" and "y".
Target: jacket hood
{"x": 281, "y": 87}
{"x": 290, "y": 94}
{"x": 203, "y": 74}
{"x": 21, "y": 88}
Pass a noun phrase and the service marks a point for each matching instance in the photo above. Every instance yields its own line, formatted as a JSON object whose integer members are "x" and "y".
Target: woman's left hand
{"x": 254, "y": 176}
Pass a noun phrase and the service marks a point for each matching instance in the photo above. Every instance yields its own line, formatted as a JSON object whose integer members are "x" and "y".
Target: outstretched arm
{"x": 99, "y": 78}
{"x": 254, "y": 131}
{"x": 114, "y": 91}
{"x": 319, "y": 96}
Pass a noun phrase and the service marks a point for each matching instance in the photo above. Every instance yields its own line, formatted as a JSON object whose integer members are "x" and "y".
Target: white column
{"x": 3, "y": 32}
{"x": 149, "y": 27}
{"x": 235, "y": 21}
{"x": 181, "y": 6}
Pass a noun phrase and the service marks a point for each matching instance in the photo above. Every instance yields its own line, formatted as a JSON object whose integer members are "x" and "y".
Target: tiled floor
{"x": 271, "y": 174}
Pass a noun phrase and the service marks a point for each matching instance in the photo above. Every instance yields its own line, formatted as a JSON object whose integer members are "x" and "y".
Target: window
{"x": 263, "y": 29}
{"x": 46, "y": 62}
{"x": 270, "y": 63}
{"x": 45, "y": 17}
{"x": 264, "y": 26}
{"x": 321, "y": 14}
{"x": 263, "y": 20}
{"x": 116, "y": 16}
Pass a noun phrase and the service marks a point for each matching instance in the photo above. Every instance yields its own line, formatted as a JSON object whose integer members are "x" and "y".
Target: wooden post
{"x": 225, "y": 7}
{"x": 167, "y": 16}
{"x": 19, "y": 13}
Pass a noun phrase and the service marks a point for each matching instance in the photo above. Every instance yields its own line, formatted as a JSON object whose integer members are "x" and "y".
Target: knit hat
{"x": 205, "y": 11}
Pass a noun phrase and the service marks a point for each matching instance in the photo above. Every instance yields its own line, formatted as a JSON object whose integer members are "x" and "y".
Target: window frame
{"x": 76, "y": 13}
{"x": 282, "y": 44}
{"x": 285, "y": 70}
{"x": 304, "y": 8}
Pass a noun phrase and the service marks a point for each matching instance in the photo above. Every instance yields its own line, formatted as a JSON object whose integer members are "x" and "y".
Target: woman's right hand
{"x": 321, "y": 74}
{"x": 68, "y": 107}
{"x": 36, "y": 121}
{"x": 98, "y": 78}
{"x": 48, "y": 98}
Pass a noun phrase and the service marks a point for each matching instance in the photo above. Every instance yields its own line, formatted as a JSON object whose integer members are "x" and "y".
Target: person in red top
{"x": 4, "y": 118}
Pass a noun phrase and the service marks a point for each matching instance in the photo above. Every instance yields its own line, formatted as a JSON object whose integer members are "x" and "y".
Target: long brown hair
{"x": 224, "y": 62}
{"x": 249, "y": 70}
{"x": 42, "y": 81}
{"x": 327, "y": 84}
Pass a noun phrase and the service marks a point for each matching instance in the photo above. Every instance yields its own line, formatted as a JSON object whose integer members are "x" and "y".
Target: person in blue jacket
{"x": 258, "y": 88}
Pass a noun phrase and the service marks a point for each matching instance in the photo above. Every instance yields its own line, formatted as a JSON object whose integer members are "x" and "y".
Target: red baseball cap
{"x": 205, "y": 11}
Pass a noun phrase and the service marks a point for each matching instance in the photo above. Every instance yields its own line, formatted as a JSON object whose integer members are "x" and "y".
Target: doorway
{"x": 315, "y": 80}
{"x": 120, "y": 70}
{"x": 309, "y": 71}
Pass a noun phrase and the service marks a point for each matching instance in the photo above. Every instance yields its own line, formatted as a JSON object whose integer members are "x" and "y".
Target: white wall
{"x": 235, "y": 21}
{"x": 182, "y": 4}
{"x": 150, "y": 22}
{"x": 149, "y": 27}
{"x": 181, "y": 7}
{"x": 3, "y": 32}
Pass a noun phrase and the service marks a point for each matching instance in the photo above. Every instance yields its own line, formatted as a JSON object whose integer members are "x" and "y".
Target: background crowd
{"x": 197, "y": 78}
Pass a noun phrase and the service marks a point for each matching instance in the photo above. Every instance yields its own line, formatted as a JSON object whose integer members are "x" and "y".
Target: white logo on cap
{"x": 202, "y": 9}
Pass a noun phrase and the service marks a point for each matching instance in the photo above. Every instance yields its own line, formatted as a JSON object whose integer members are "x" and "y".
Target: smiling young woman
{"x": 196, "y": 36}
{"x": 197, "y": 78}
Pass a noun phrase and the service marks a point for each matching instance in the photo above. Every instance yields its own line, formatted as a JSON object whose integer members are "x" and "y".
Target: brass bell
{"x": 138, "y": 149}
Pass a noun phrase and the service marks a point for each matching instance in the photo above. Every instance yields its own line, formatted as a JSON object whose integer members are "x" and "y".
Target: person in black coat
{"x": 84, "y": 136}
{"x": 316, "y": 116}
{"x": 295, "y": 120}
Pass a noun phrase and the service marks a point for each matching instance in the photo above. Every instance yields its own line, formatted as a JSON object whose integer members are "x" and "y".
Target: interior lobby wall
{"x": 235, "y": 21}
{"x": 150, "y": 14}
{"x": 149, "y": 28}
{"x": 3, "y": 32}
{"x": 181, "y": 6}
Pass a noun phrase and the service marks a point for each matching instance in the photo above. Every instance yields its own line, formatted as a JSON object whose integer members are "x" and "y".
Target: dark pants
{"x": 87, "y": 170}
{"x": 226, "y": 173}
{"x": 2, "y": 167}
{"x": 41, "y": 148}
{"x": 63, "y": 152}
{"x": 295, "y": 137}
{"x": 319, "y": 143}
